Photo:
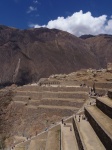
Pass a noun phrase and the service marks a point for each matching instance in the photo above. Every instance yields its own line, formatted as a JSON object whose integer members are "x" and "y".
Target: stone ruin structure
{"x": 87, "y": 128}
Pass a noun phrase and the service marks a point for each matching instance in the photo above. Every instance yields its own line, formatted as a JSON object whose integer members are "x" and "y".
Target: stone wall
{"x": 65, "y": 95}
{"x": 53, "y": 89}
{"x": 30, "y": 88}
{"x": 106, "y": 109}
{"x": 58, "y": 112}
{"x": 101, "y": 91}
{"x": 32, "y": 94}
{"x": 110, "y": 94}
{"x": 103, "y": 85}
{"x": 105, "y": 139}
{"x": 62, "y": 103}
{"x": 77, "y": 134}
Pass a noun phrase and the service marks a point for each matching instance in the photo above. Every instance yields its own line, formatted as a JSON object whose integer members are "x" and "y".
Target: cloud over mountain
{"x": 81, "y": 23}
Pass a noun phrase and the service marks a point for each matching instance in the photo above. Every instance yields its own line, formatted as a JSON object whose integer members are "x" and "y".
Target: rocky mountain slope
{"x": 28, "y": 55}
{"x": 101, "y": 46}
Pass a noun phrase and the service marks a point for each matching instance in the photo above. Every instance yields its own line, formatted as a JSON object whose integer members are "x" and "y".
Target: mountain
{"x": 86, "y": 36}
{"x": 28, "y": 55}
{"x": 101, "y": 46}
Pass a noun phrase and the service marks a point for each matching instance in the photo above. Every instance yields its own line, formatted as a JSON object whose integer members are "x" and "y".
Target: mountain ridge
{"x": 44, "y": 51}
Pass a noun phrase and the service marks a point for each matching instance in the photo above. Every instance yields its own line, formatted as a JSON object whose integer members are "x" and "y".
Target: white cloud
{"x": 31, "y": 25}
{"x": 35, "y": 2}
{"x": 81, "y": 23}
{"x": 31, "y": 8}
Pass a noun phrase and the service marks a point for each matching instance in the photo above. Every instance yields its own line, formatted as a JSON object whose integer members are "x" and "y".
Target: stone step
{"x": 38, "y": 143}
{"x": 21, "y": 102}
{"x": 53, "y": 139}
{"x": 88, "y": 138}
{"x": 105, "y": 105}
{"x": 54, "y": 110}
{"x": 57, "y": 111}
{"x": 65, "y": 89}
{"x": 21, "y": 98}
{"x": 77, "y": 95}
{"x": 61, "y": 103}
{"x": 29, "y": 88}
{"x": 31, "y": 94}
{"x": 34, "y": 102}
{"x": 57, "y": 107}
{"x": 68, "y": 139}
{"x": 55, "y": 89}
{"x": 102, "y": 125}
{"x": 64, "y": 99}
{"x": 31, "y": 106}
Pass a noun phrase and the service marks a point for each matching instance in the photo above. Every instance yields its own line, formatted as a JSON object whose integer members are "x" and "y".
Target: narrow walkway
{"x": 68, "y": 138}
{"x": 89, "y": 137}
{"x": 37, "y": 144}
{"x": 53, "y": 140}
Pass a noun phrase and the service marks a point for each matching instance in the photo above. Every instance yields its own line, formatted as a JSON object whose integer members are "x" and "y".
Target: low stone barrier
{"x": 77, "y": 134}
{"x": 104, "y": 108}
{"x": 109, "y": 94}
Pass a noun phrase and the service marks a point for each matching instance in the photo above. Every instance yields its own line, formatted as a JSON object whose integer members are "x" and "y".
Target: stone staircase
{"x": 95, "y": 130}
{"x": 89, "y": 131}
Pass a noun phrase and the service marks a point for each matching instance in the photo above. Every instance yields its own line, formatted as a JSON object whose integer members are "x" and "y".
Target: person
{"x": 79, "y": 118}
{"x": 46, "y": 129}
{"x": 94, "y": 87}
{"x": 83, "y": 117}
{"x": 36, "y": 132}
{"x": 70, "y": 128}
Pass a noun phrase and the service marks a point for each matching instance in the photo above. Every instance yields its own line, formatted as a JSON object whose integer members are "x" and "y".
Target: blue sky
{"x": 74, "y": 15}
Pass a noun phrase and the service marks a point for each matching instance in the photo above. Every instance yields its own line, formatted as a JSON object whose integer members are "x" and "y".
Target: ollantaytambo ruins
{"x": 55, "y": 90}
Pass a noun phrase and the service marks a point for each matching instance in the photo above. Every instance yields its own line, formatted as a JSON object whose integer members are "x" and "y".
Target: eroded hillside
{"x": 28, "y": 55}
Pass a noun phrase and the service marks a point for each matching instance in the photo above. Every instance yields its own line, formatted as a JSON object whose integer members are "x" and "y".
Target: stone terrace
{"x": 63, "y": 99}
{"x": 89, "y": 131}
